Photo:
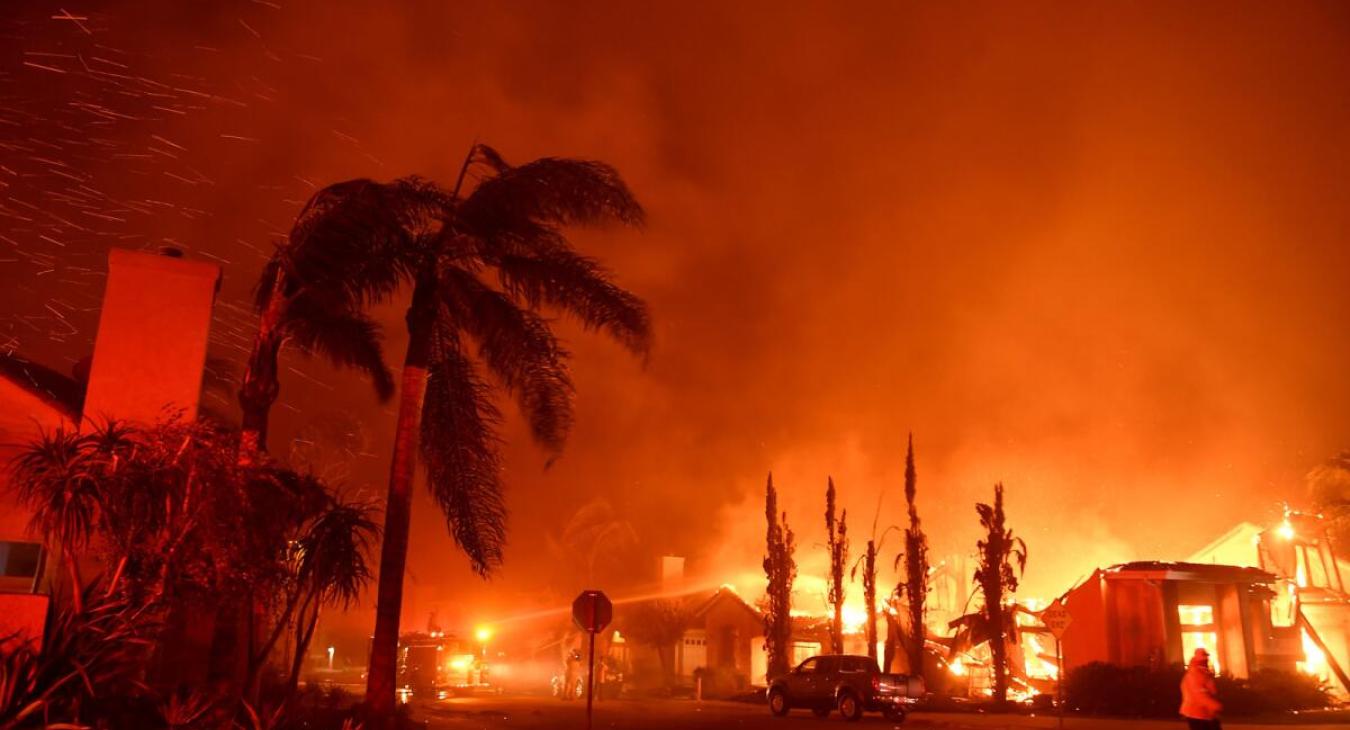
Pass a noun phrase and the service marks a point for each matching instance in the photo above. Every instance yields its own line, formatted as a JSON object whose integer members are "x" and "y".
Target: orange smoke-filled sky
{"x": 1095, "y": 251}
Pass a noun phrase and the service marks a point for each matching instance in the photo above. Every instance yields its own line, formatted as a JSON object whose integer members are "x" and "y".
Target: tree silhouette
{"x": 837, "y": 544}
{"x": 305, "y": 298}
{"x": 659, "y": 624}
{"x": 1002, "y": 559}
{"x": 1328, "y": 486}
{"x": 868, "y": 563}
{"x": 444, "y": 245}
{"x": 780, "y": 570}
{"x": 916, "y": 567}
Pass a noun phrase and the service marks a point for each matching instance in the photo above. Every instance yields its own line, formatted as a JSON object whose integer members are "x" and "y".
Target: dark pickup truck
{"x": 851, "y": 684}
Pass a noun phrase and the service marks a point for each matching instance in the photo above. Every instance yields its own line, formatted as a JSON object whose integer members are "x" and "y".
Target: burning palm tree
{"x": 837, "y": 544}
{"x": 780, "y": 570}
{"x": 1003, "y": 558}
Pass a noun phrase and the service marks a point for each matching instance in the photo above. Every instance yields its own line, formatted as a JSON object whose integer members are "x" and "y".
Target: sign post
{"x": 1057, "y": 618}
{"x": 591, "y": 612}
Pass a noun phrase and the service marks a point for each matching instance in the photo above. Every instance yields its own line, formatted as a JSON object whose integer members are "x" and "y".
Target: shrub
{"x": 1272, "y": 690}
{"x": 89, "y": 658}
{"x": 1109, "y": 689}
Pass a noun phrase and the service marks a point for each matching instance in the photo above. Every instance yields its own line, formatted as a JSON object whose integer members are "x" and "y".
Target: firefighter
{"x": 571, "y": 675}
{"x": 1199, "y": 695}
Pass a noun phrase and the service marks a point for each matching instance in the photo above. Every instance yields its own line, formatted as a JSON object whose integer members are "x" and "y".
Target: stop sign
{"x": 592, "y": 611}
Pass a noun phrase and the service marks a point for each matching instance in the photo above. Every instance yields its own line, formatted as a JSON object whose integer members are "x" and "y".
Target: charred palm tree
{"x": 1003, "y": 558}
{"x": 780, "y": 570}
{"x": 461, "y": 321}
{"x": 916, "y": 568}
{"x": 836, "y": 531}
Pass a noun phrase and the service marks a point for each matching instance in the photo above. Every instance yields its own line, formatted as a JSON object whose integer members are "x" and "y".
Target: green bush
{"x": 1109, "y": 689}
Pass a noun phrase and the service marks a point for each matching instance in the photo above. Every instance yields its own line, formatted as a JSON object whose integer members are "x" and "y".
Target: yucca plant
{"x": 56, "y": 480}
{"x": 86, "y": 656}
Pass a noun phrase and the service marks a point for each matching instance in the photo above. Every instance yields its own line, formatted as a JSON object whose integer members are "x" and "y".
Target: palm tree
{"x": 1003, "y": 559}
{"x": 299, "y": 302}
{"x": 443, "y": 244}
{"x": 594, "y": 538}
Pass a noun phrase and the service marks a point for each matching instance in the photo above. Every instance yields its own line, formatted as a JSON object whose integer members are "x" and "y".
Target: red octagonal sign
{"x": 592, "y": 611}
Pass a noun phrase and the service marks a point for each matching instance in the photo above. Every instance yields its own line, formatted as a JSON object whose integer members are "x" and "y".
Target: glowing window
{"x": 1196, "y": 615}
{"x": 1207, "y": 640}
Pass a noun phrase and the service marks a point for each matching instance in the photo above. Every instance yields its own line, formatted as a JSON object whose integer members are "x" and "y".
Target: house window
{"x": 803, "y": 650}
{"x": 19, "y": 559}
{"x": 1198, "y": 631}
{"x": 1196, "y": 615}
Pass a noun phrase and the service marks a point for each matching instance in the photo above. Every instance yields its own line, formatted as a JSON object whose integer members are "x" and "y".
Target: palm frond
{"x": 54, "y": 477}
{"x": 345, "y": 337}
{"x": 362, "y": 238}
{"x": 335, "y": 548}
{"x": 519, "y": 348}
{"x": 547, "y": 272}
{"x": 459, "y": 447}
{"x": 550, "y": 190}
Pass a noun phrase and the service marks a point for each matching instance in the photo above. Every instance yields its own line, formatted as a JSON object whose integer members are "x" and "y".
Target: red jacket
{"x": 1199, "y": 695}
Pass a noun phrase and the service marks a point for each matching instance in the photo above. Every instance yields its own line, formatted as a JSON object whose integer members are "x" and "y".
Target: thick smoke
{"x": 1096, "y": 254}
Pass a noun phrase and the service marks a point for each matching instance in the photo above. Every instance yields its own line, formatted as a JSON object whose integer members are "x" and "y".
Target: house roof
{"x": 1241, "y": 536}
{"x": 62, "y": 392}
{"x": 726, "y": 593}
{"x": 1201, "y": 572}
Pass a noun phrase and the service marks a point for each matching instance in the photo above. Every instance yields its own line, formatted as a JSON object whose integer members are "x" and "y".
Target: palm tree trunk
{"x": 261, "y": 385}
{"x": 76, "y": 587}
{"x": 383, "y": 670}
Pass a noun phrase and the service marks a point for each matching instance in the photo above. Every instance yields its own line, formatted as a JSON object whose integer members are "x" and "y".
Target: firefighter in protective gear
{"x": 1199, "y": 695}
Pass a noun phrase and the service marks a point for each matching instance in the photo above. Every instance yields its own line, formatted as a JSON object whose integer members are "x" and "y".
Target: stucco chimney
{"x": 150, "y": 349}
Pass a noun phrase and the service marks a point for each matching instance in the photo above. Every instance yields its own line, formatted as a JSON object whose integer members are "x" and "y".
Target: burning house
{"x": 1156, "y": 614}
{"x": 1309, "y": 601}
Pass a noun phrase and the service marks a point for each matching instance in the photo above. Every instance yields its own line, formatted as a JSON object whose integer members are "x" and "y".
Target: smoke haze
{"x": 1094, "y": 252}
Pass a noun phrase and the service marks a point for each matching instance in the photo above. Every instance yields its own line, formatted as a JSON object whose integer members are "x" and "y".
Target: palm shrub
{"x": 181, "y": 522}
{"x": 90, "y": 658}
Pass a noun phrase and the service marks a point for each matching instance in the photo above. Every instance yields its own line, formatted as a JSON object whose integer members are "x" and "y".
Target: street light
{"x": 330, "y": 658}
{"x": 483, "y": 634}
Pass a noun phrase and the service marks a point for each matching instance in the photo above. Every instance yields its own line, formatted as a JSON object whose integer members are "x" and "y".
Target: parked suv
{"x": 851, "y": 684}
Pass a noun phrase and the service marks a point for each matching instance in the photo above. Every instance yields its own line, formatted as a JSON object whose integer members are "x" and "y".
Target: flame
{"x": 1314, "y": 661}
{"x": 855, "y": 617}
{"x": 1037, "y": 666}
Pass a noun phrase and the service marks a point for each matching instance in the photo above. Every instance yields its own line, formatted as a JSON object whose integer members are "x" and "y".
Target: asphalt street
{"x": 541, "y": 712}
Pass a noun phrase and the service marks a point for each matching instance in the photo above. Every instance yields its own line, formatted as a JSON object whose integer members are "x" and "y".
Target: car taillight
{"x": 876, "y": 682}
